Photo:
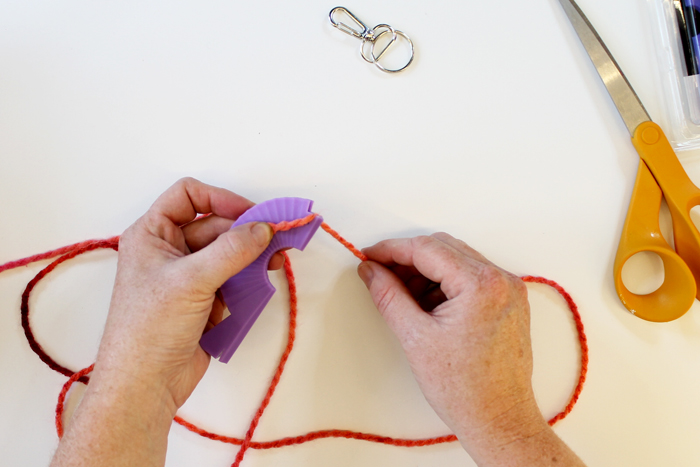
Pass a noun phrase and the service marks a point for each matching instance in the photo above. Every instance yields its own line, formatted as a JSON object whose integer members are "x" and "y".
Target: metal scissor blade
{"x": 624, "y": 97}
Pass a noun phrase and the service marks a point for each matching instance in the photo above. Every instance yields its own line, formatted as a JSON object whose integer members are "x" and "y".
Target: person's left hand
{"x": 165, "y": 294}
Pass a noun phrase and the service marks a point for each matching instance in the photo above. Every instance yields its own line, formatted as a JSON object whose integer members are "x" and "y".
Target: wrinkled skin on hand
{"x": 464, "y": 325}
{"x": 165, "y": 294}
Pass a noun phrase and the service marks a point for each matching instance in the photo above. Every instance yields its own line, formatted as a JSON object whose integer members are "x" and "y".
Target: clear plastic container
{"x": 676, "y": 25}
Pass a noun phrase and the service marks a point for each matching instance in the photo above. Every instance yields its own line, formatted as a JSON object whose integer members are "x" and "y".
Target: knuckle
{"x": 149, "y": 218}
{"x": 384, "y": 298}
{"x": 423, "y": 241}
{"x": 496, "y": 286}
{"x": 492, "y": 277}
{"x": 438, "y": 249}
{"x": 125, "y": 237}
{"x": 233, "y": 249}
{"x": 185, "y": 181}
{"x": 132, "y": 237}
{"x": 464, "y": 245}
{"x": 442, "y": 236}
{"x": 185, "y": 184}
{"x": 519, "y": 287}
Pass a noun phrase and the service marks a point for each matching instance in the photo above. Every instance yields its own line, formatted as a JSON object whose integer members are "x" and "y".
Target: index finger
{"x": 188, "y": 197}
{"x": 434, "y": 259}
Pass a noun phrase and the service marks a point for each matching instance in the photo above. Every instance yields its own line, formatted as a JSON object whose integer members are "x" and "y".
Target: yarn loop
{"x": 71, "y": 251}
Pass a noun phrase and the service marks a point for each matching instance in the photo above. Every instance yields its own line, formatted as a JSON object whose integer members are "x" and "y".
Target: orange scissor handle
{"x": 641, "y": 230}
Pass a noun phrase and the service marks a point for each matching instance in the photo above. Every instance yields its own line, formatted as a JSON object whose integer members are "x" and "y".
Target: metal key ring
{"x": 377, "y": 57}
{"x": 371, "y": 37}
{"x": 359, "y": 30}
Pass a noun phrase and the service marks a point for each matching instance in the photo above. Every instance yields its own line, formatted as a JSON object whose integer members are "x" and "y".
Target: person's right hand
{"x": 464, "y": 325}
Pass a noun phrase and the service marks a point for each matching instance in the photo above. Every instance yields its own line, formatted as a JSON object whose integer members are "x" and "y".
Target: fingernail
{"x": 365, "y": 272}
{"x": 262, "y": 233}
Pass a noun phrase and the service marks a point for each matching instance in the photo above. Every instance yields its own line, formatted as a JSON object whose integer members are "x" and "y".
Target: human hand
{"x": 149, "y": 362}
{"x": 464, "y": 325}
{"x": 170, "y": 268}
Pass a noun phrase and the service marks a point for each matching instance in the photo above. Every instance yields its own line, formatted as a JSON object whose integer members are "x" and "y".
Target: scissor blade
{"x": 624, "y": 97}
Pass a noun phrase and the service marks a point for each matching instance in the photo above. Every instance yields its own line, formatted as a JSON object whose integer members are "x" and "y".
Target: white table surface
{"x": 500, "y": 133}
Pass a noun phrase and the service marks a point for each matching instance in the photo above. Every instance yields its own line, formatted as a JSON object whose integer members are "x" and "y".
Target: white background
{"x": 500, "y": 133}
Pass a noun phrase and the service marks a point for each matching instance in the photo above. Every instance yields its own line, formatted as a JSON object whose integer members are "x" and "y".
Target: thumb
{"x": 392, "y": 299}
{"x": 229, "y": 254}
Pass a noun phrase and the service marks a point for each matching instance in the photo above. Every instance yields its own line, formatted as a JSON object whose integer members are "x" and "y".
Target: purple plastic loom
{"x": 247, "y": 293}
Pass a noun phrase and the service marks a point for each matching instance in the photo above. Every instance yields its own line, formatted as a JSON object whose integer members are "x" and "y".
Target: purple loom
{"x": 247, "y": 293}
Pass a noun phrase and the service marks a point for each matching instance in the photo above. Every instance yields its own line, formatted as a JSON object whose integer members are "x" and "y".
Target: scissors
{"x": 660, "y": 174}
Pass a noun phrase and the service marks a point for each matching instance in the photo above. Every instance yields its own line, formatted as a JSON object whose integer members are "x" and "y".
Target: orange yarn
{"x": 62, "y": 396}
{"x": 247, "y": 442}
{"x": 361, "y": 256}
{"x": 288, "y": 225}
{"x": 582, "y": 340}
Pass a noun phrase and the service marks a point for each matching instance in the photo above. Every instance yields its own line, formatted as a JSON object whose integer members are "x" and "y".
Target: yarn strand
{"x": 582, "y": 340}
{"x": 361, "y": 256}
{"x": 71, "y": 251}
{"x": 291, "y": 336}
{"x": 289, "y": 225}
{"x": 79, "y": 249}
{"x": 54, "y": 253}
